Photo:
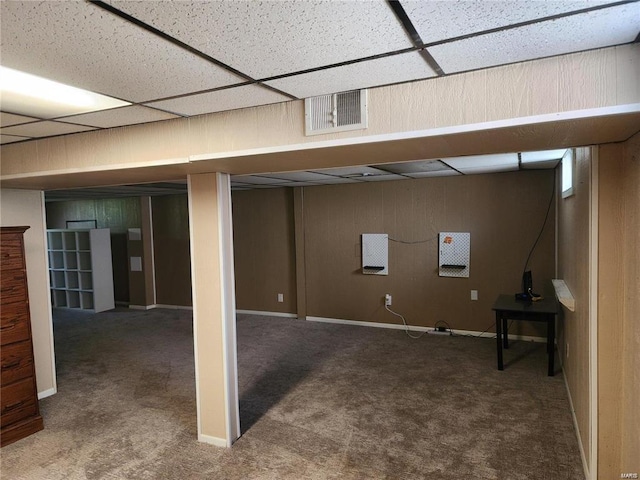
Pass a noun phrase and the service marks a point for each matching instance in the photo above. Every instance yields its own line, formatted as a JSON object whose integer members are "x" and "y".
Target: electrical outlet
{"x": 474, "y": 294}
{"x": 439, "y": 331}
{"x": 280, "y": 297}
{"x": 387, "y": 299}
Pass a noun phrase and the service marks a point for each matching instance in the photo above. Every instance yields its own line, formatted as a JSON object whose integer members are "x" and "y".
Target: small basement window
{"x": 567, "y": 166}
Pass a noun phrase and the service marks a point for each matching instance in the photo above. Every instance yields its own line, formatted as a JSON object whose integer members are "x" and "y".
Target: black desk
{"x": 508, "y": 308}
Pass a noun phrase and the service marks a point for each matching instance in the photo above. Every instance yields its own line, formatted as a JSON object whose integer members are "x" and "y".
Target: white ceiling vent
{"x": 336, "y": 112}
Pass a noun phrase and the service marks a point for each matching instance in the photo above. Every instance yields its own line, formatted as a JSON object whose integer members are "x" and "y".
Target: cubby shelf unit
{"x": 80, "y": 269}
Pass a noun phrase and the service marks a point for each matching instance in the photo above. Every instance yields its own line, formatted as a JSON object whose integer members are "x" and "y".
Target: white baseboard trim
{"x": 141, "y": 307}
{"x": 583, "y": 457}
{"x": 218, "y": 442}
{"x": 160, "y": 305}
{"x": 393, "y": 326}
{"x": 415, "y": 328}
{"x": 47, "y": 393}
{"x": 173, "y": 307}
{"x": 267, "y": 314}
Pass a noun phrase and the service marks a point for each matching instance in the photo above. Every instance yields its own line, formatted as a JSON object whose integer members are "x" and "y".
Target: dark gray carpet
{"x": 318, "y": 401}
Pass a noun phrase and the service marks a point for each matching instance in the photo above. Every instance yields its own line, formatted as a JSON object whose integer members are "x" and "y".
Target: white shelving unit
{"x": 80, "y": 269}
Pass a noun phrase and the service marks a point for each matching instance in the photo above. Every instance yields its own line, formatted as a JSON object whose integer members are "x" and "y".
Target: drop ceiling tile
{"x": 414, "y": 167}
{"x": 117, "y": 117}
{"x": 596, "y": 29}
{"x": 11, "y": 139}
{"x": 220, "y": 100}
{"x": 298, "y": 176}
{"x": 8, "y": 119}
{"x": 255, "y": 180}
{"x": 436, "y": 173}
{"x": 382, "y": 178}
{"x": 97, "y": 50}
{"x": 489, "y": 169}
{"x": 45, "y": 129}
{"x": 351, "y": 171}
{"x": 339, "y": 180}
{"x": 482, "y": 161}
{"x": 264, "y": 39}
{"x": 299, "y": 184}
{"x": 382, "y": 71}
{"x": 551, "y": 164}
{"x": 437, "y": 21}
{"x": 541, "y": 156}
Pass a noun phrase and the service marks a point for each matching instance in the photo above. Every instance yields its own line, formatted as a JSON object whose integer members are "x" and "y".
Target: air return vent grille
{"x": 336, "y": 112}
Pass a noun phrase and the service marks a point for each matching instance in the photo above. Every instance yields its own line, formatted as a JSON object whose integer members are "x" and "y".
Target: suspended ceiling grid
{"x": 179, "y": 59}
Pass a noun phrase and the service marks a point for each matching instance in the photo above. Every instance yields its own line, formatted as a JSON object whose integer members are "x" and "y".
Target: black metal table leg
{"x": 499, "y": 340}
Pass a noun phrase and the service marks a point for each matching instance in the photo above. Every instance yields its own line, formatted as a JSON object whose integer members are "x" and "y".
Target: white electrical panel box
{"x": 453, "y": 259}
{"x": 375, "y": 254}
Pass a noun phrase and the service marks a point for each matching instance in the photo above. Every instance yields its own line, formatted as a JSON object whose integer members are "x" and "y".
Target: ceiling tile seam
{"x": 339, "y": 64}
{"x": 471, "y": 70}
{"x": 176, "y": 42}
{"x": 529, "y": 22}
{"x": 452, "y": 168}
{"x": 414, "y": 36}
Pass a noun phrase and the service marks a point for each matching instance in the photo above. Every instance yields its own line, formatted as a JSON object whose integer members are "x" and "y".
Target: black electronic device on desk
{"x": 527, "y": 294}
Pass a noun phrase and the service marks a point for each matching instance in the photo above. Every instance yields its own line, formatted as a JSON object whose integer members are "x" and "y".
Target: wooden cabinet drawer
{"x": 13, "y": 287}
{"x": 14, "y": 326}
{"x": 11, "y": 254}
{"x": 18, "y": 401}
{"x": 16, "y": 362}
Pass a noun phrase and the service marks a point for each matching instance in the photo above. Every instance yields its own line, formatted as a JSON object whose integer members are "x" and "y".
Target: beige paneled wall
{"x": 171, "y": 250}
{"x": 264, "y": 250}
{"x": 574, "y": 263}
{"x": 618, "y": 307}
{"x": 503, "y": 212}
{"x": 24, "y": 207}
{"x": 547, "y": 86}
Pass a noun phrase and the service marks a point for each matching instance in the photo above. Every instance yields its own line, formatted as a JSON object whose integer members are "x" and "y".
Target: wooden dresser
{"x": 19, "y": 414}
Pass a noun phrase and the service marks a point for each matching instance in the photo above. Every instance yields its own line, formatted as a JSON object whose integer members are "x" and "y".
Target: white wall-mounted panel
{"x": 80, "y": 44}
{"x": 436, "y": 21}
{"x": 277, "y": 37}
{"x": 375, "y": 254}
{"x": 220, "y": 100}
{"x": 454, "y": 254}
{"x": 586, "y": 31}
{"x": 381, "y": 71}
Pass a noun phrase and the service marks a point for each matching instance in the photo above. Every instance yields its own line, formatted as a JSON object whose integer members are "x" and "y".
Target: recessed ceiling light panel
{"x": 25, "y": 94}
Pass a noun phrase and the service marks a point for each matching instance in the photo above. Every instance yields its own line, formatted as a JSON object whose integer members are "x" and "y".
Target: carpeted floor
{"x": 318, "y": 401}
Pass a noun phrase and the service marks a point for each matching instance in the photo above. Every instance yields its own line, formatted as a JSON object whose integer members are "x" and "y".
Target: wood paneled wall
{"x": 503, "y": 212}
{"x": 618, "y": 307}
{"x": 264, "y": 250}
{"x": 117, "y": 214}
{"x": 574, "y": 264}
{"x": 171, "y": 249}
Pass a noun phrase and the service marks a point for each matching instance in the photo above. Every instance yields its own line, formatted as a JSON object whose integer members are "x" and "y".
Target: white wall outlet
{"x": 280, "y": 297}
{"x": 474, "y": 294}
{"x": 387, "y": 299}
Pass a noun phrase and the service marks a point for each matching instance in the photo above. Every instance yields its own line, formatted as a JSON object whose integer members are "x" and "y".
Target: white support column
{"x": 213, "y": 308}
